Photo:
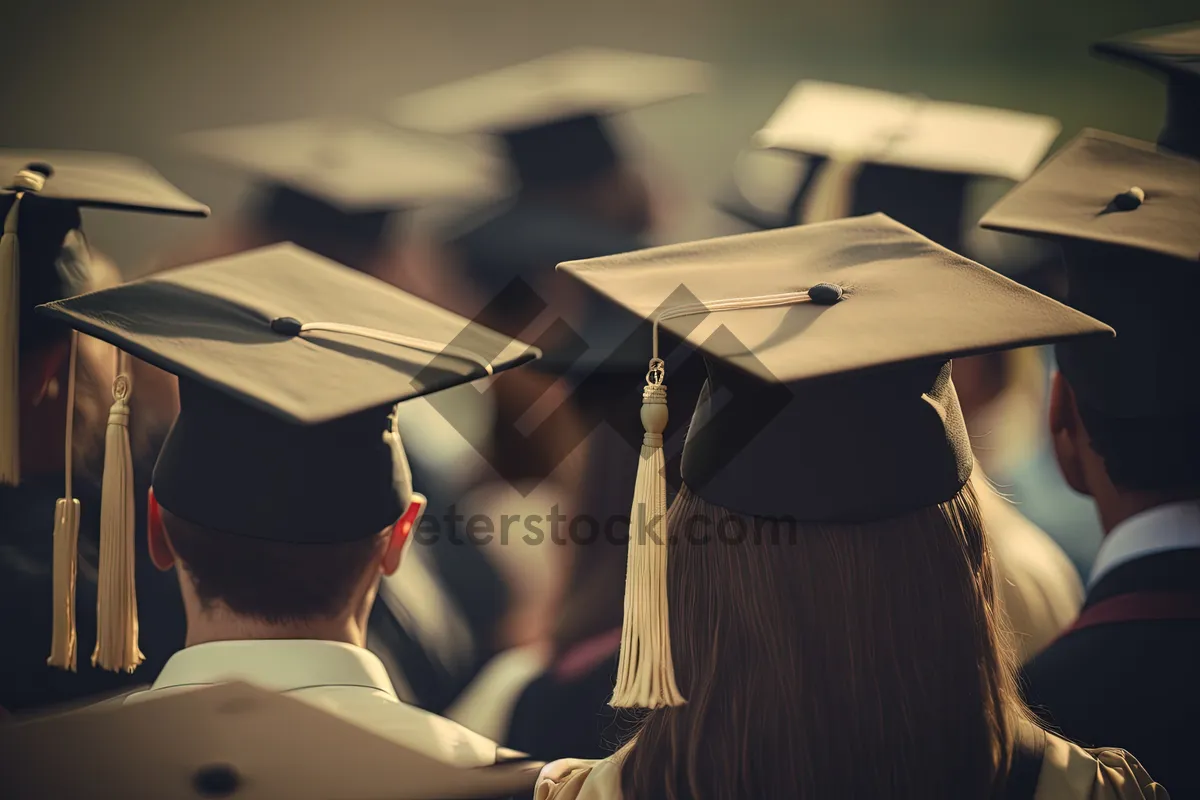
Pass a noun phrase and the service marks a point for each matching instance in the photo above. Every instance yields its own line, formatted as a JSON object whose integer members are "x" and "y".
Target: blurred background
{"x": 129, "y": 75}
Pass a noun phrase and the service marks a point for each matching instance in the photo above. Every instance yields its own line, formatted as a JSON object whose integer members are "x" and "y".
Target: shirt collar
{"x": 1173, "y": 526}
{"x": 277, "y": 664}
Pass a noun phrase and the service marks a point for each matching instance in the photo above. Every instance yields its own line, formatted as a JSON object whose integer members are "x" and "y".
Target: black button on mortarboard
{"x": 41, "y": 168}
{"x": 216, "y": 780}
{"x": 288, "y": 326}
{"x": 825, "y": 294}
{"x": 1129, "y": 199}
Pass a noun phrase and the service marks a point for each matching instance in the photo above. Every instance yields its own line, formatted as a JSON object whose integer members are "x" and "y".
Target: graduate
{"x": 816, "y": 614}
{"x": 1172, "y": 54}
{"x": 283, "y": 494}
{"x": 1125, "y": 424}
{"x": 349, "y": 189}
{"x": 578, "y": 192}
{"x": 57, "y": 408}
{"x": 920, "y": 162}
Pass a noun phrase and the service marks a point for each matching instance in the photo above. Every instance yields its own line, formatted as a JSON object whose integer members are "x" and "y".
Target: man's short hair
{"x": 271, "y": 581}
{"x": 1154, "y": 454}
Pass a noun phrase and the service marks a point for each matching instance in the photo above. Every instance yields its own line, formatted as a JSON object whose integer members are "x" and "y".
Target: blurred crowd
{"x": 988, "y": 601}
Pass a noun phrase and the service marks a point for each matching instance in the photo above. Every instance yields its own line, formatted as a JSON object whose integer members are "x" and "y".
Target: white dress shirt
{"x": 1173, "y": 526}
{"x": 341, "y": 679}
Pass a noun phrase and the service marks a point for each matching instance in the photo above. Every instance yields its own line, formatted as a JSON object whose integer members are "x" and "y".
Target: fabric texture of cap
{"x": 578, "y": 82}
{"x": 831, "y": 404}
{"x": 288, "y": 365}
{"x": 334, "y": 184}
{"x": 1128, "y": 218}
{"x": 99, "y": 180}
{"x": 851, "y": 122}
{"x": 1110, "y": 190}
{"x": 230, "y": 740}
{"x": 354, "y": 165}
{"x": 1174, "y": 54}
{"x": 551, "y": 112}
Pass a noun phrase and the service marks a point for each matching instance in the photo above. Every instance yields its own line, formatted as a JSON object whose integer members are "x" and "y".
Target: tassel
{"x": 10, "y": 331}
{"x": 116, "y": 605}
{"x": 66, "y": 544}
{"x": 646, "y": 671}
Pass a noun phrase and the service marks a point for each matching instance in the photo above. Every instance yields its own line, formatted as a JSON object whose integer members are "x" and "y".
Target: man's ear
{"x": 1068, "y": 434}
{"x": 401, "y": 532}
{"x": 161, "y": 554}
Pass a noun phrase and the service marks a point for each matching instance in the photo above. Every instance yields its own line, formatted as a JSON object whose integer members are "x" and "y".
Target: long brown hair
{"x": 821, "y": 660}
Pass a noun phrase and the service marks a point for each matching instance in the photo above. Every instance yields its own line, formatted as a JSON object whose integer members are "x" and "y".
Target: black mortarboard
{"x": 332, "y": 185}
{"x": 289, "y": 365}
{"x": 829, "y": 396}
{"x": 551, "y": 112}
{"x": 1128, "y": 218}
{"x": 1174, "y": 54}
{"x": 906, "y": 156}
{"x": 232, "y": 740}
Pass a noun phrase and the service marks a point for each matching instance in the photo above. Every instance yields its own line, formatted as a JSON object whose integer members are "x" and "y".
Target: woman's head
{"x": 819, "y": 660}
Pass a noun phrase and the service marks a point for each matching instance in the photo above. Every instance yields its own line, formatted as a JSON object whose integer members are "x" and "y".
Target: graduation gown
{"x": 1067, "y": 772}
{"x": 1131, "y": 682}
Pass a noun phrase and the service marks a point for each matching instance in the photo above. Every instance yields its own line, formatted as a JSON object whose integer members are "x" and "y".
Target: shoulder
{"x": 1070, "y": 772}
{"x": 427, "y": 733}
{"x": 574, "y": 779}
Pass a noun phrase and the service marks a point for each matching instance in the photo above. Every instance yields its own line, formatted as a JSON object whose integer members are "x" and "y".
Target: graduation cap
{"x": 40, "y": 197}
{"x": 1174, "y": 54}
{"x": 232, "y": 740}
{"x": 828, "y": 397}
{"x": 551, "y": 112}
{"x": 43, "y": 257}
{"x": 332, "y": 185}
{"x": 1128, "y": 218}
{"x": 907, "y": 156}
{"x": 289, "y": 366}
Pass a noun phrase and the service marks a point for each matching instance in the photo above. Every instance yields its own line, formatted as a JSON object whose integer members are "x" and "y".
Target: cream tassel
{"x": 10, "y": 331}
{"x": 646, "y": 671}
{"x": 66, "y": 543}
{"x": 646, "y": 668}
{"x": 116, "y": 606}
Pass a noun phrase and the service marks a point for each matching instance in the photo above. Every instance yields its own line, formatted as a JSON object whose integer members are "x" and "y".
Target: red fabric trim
{"x": 588, "y": 654}
{"x": 1139, "y": 607}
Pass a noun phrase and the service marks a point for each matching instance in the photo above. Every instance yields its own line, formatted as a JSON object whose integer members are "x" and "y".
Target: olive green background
{"x": 128, "y": 75}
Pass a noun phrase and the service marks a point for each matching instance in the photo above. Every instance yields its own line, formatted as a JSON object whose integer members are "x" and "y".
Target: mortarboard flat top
{"x": 1078, "y": 195}
{"x": 1169, "y": 51}
{"x": 827, "y": 119}
{"x": 893, "y": 276}
{"x": 99, "y": 180}
{"x": 840, "y": 411}
{"x": 211, "y": 323}
{"x": 281, "y": 429}
{"x": 354, "y": 165}
{"x": 579, "y": 82}
{"x": 230, "y": 740}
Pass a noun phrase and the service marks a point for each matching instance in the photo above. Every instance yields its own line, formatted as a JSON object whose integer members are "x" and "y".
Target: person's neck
{"x": 217, "y": 627}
